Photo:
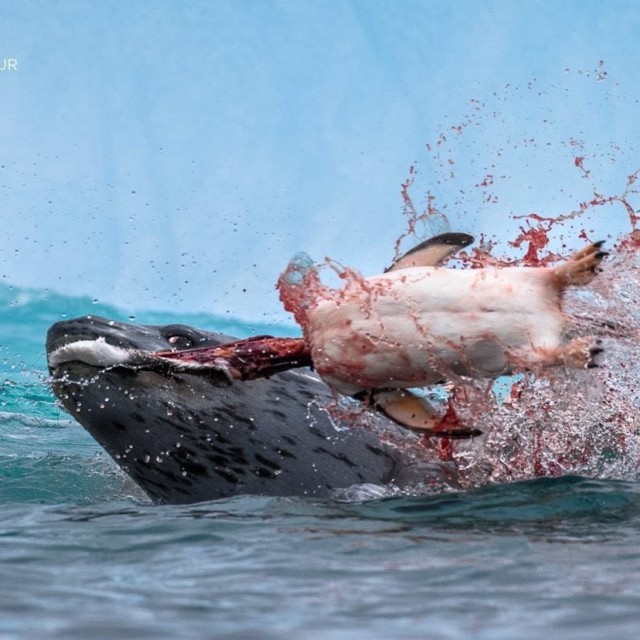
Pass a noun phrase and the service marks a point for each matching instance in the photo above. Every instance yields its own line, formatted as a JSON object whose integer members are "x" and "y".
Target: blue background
{"x": 174, "y": 155}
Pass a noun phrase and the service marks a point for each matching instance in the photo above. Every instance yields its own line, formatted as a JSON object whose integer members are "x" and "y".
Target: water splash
{"x": 566, "y": 421}
{"x": 555, "y": 422}
{"x": 559, "y": 422}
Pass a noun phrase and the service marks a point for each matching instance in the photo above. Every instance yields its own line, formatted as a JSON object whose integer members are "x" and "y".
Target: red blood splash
{"x": 537, "y": 238}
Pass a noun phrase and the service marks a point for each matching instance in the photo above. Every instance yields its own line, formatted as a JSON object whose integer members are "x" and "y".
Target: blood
{"x": 255, "y": 357}
{"x": 553, "y": 421}
{"x": 556, "y": 422}
{"x": 444, "y": 448}
{"x": 486, "y": 181}
{"x": 579, "y": 162}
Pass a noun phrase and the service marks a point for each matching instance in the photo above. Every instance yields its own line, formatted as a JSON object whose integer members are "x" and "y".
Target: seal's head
{"x": 186, "y": 432}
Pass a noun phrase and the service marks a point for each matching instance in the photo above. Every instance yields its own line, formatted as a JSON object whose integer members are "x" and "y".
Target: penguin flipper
{"x": 413, "y": 412}
{"x": 432, "y": 252}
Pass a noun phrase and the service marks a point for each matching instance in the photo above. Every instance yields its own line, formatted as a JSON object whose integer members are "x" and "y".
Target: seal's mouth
{"x": 99, "y": 354}
{"x": 96, "y": 353}
{"x": 246, "y": 359}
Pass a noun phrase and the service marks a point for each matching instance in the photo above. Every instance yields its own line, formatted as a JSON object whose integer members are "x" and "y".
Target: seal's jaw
{"x": 95, "y": 353}
{"x": 95, "y": 343}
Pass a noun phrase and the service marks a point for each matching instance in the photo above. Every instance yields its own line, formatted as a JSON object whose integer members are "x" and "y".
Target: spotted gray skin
{"x": 187, "y": 438}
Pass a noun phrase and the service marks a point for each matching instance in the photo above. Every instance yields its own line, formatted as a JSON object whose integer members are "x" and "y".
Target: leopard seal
{"x": 187, "y": 436}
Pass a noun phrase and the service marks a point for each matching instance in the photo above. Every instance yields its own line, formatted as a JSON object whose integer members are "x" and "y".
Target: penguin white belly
{"x": 421, "y": 325}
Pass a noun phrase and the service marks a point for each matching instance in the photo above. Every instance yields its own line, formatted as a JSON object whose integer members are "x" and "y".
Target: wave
{"x": 545, "y": 503}
{"x": 569, "y": 507}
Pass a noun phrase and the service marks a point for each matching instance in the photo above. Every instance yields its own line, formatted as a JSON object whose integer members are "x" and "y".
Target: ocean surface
{"x": 83, "y": 554}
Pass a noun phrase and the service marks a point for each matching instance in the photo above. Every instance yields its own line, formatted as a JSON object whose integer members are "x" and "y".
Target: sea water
{"x": 83, "y": 553}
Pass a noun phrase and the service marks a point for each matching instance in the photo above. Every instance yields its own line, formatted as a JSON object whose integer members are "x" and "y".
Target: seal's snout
{"x": 57, "y": 336}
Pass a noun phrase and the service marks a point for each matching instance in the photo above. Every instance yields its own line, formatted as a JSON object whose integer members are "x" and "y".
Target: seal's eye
{"x": 181, "y": 336}
{"x": 180, "y": 342}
